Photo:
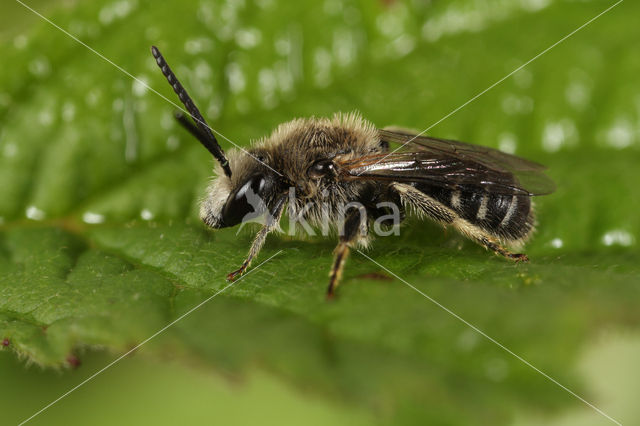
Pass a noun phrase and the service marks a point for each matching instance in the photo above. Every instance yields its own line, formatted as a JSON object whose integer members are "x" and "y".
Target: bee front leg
{"x": 273, "y": 218}
{"x": 257, "y": 244}
{"x": 354, "y": 226}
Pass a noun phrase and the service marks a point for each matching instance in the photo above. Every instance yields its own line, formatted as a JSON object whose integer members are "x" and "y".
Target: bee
{"x": 483, "y": 193}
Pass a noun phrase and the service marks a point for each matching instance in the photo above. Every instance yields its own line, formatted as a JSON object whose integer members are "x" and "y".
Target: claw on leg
{"x": 238, "y": 272}
{"x": 232, "y": 276}
{"x": 498, "y": 249}
{"x": 518, "y": 257}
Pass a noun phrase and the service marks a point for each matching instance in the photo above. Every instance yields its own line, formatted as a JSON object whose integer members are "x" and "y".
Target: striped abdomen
{"x": 507, "y": 216}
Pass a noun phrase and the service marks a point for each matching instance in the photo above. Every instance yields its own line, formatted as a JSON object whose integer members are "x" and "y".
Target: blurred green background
{"x": 101, "y": 246}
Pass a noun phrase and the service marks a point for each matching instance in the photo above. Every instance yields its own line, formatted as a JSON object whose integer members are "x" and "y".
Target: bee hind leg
{"x": 447, "y": 216}
{"x": 487, "y": 241}
{"x": 498, "y": 249}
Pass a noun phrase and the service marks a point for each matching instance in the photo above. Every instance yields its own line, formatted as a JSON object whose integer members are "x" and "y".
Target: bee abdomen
{"x": 507, "y": 216}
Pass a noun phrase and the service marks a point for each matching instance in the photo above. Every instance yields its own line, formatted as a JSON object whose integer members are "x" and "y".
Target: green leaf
{"x": 101, "y": 246}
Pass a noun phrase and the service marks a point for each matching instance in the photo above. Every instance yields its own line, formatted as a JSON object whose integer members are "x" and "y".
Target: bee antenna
{"x": 207, "y": 138}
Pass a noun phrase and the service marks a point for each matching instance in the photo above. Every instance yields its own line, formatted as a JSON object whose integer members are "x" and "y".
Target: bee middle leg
{"x": 354, "y": 226}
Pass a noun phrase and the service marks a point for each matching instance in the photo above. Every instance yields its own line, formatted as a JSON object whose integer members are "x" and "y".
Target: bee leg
{"x": 354, "y": 226}
{"x": 341, "y": 253}
{"x": 487, "y": 241}
{"x": 446, "y": 216}
{"x": 273, "y": 218}
{"x": 257, "y": 244}
{"x": 498, "y": 249}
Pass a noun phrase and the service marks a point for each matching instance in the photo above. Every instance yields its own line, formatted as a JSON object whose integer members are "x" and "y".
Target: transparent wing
{"x": 449, "y": 164}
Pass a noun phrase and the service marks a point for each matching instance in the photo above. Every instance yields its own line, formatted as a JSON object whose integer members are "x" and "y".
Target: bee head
{"x": 247, "y": 195}
{"x": 236, "y": 197}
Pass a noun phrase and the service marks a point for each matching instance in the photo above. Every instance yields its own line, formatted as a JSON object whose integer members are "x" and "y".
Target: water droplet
{"x": 115, "y": 11}
{"x": 558, "y": 134}
{"x": 92, "y": 218}
{"x": 557, "y": 243}
{"x": 403, "y": 45}
{"x": 514, "y": 104}
{"x": 34, "y": 213}
{"x": 235, "y": 77}
{"x": 474, "y": 17}
{"x": 618, "y": 237}
{"x": 577, "y": 94}
{"x": 534, "y": 5}
{"x": 140, "y": 85}
{"x": 507, "y": 142}
{"x": 146, "y": 214}
{"x": 202, "y": 70}
{"x": 196, "y": 46}
{"x": 248, "y": 38}
{"x": 621, "y": 134}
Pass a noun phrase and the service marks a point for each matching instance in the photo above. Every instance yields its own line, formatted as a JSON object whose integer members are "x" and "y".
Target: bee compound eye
{"x": 247, "y": 202}
{"x": 320, "y": 168}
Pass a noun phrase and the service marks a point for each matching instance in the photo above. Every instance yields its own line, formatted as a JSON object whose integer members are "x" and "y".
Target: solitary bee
{"x": 482, "y": 192}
